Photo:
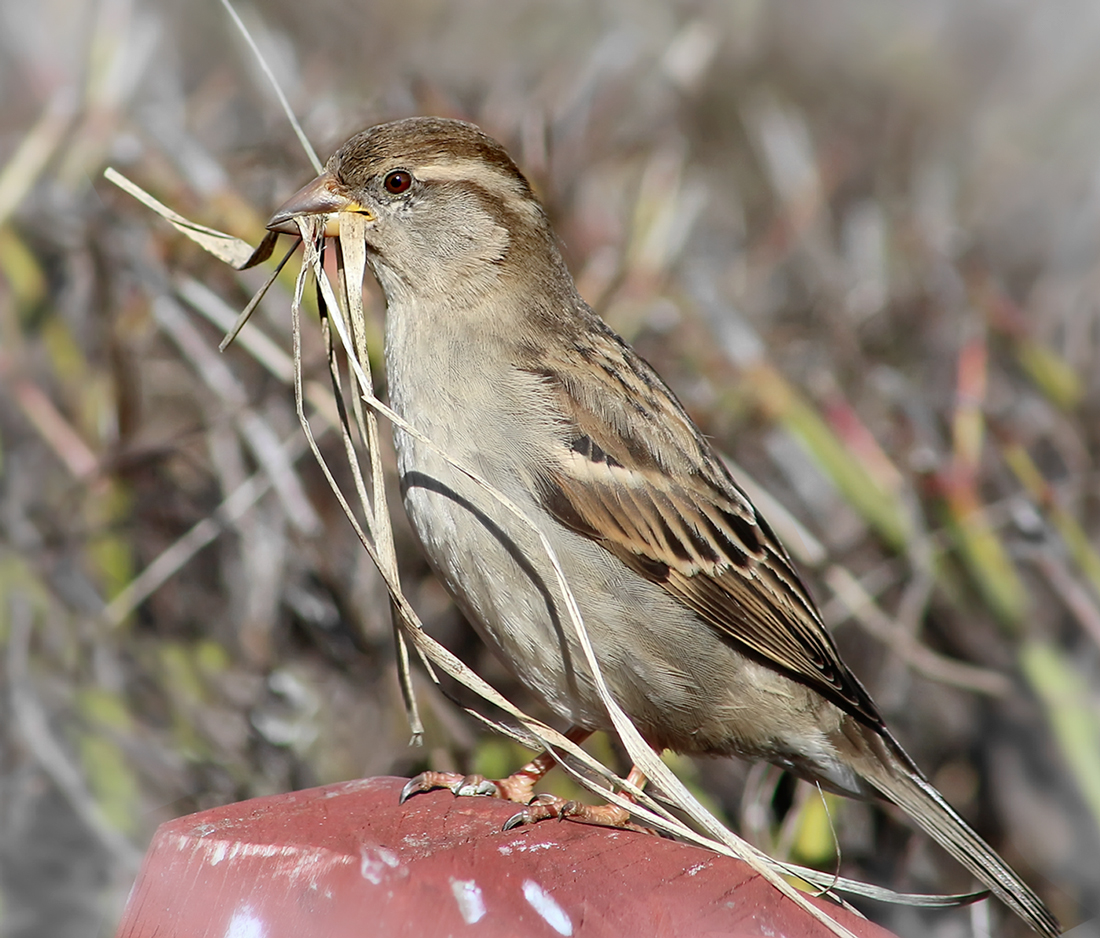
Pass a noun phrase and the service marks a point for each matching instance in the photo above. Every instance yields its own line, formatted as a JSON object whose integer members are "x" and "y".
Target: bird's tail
{"x": 894, "y": 776}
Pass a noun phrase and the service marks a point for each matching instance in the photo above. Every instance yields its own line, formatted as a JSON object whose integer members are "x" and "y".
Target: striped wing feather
{"x": 634, "y": 474}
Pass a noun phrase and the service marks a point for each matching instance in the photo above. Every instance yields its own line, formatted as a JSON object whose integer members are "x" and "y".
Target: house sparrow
{"x": 703, "y": 630}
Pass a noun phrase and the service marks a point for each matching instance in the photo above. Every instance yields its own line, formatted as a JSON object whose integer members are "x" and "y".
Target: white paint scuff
{"x": 547, "y": 907}
{"x": 376, "y": 862}
{"x": 289, "y": 860}
{"x": 246, "y": 924}
{"x": 471, "y": 903}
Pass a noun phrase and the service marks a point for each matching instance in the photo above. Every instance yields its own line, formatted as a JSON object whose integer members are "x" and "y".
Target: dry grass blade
{"x": 258, "y": 433}
{"x": 255, "y": 342}
{"x": 917, "y": 656}
{"x": 31, "y": 721}
{"x": 174, "y": 557}
{"x": 258, "y": 256}
{"x": 23, "y": 168}
{"x": 233, "y": 251}
{"x": 288, "y": 111}
{"x": 1073, "y": 712}
{"x": 56, "y": 430}
{"x": 352, "y": 263}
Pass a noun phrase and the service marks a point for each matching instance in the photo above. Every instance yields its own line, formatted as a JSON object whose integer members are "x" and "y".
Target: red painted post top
{"x": 348, "y": 861}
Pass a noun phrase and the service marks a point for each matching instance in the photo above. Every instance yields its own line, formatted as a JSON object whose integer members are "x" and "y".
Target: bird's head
{"x": 447, "y": 209}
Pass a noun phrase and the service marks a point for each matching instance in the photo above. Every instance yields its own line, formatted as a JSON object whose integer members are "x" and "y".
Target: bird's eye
{"x": 397, "y": 181}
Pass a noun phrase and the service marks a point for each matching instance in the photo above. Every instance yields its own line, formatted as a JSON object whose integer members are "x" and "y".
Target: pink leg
{"x": 543, "y": 807}
{"x": 519, "y": 786}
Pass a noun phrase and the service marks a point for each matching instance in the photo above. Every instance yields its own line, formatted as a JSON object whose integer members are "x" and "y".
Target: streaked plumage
{"x": 702, "y": 627}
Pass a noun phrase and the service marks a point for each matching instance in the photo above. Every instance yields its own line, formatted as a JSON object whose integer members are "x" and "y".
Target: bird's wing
{"x": 632, "y": 473}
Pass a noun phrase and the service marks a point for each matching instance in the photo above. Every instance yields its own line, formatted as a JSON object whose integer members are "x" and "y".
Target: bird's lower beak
{"x": 320, "y": 197}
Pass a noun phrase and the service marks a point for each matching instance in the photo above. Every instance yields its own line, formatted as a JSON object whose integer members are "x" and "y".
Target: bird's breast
{"x": 483, "y": 415}
{"x": 685, "y": 686}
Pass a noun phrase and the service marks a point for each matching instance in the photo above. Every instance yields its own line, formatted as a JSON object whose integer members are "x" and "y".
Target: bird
{"x": 703, "y": 629}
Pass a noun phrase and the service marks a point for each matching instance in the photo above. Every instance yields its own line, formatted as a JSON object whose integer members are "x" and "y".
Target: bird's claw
{"x": 544, "y": 807}
{"x": 541, "y": 808}
{"x": 459, "y": 785}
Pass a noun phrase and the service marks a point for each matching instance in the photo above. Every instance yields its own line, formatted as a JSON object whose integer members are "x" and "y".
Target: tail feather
{"x": 893, "y": 775}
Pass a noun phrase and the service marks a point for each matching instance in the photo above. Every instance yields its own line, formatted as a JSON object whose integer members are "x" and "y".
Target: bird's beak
{"x": 323, "y": 196}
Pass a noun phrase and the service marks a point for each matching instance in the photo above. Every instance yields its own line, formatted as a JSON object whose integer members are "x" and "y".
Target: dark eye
{"x": 397, "y": 181}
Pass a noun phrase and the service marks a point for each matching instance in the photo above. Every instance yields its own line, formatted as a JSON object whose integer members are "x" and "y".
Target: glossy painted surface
{"x": 348, "y": 860}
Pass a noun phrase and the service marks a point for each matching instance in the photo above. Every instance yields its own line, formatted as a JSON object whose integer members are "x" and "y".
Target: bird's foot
{"x": 544, "y": 807}
{"x": 518, "y": 787}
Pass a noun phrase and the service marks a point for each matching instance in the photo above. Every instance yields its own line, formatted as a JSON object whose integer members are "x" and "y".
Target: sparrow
{"x": 704, "y": 631}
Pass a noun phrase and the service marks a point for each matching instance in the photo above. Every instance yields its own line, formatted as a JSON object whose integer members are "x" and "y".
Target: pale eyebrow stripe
{"x": 487, "y": 176}
{"x": 462, "y": 169}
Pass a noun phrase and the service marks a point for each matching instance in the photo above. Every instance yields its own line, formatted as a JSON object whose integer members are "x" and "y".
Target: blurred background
{"x": 859, "y": 239}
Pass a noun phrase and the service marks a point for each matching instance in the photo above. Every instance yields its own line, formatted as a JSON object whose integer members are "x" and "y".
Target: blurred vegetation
{"x": 860, "y": 241}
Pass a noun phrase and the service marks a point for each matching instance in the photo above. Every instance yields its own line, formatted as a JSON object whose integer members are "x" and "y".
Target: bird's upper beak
{"x": 323, "y": 196}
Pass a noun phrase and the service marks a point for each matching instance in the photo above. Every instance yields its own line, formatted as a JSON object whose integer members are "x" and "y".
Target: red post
{"x": 348, "y": 861}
